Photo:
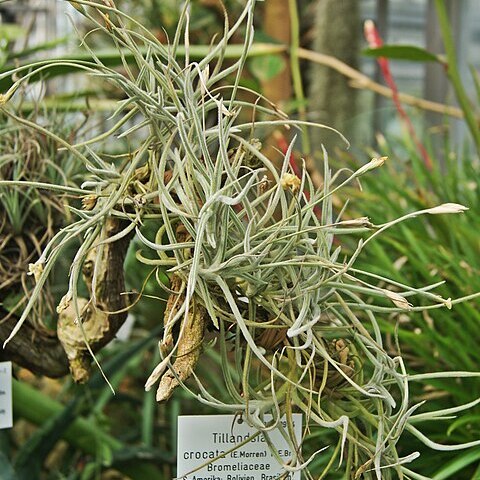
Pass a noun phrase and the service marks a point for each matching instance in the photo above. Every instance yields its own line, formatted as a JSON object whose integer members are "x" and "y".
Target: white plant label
{"x": 6, "y": 417}
{"x": 202, "y": 439}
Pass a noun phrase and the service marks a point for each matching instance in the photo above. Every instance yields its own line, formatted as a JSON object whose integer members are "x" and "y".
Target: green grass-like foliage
{"x": 434, "y": 249}
{"x": 286, "y": 311}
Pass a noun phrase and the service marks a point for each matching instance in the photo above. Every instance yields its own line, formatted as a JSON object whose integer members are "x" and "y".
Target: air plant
{"x": 256, "y": 273}
{"x": 29, "y": 218}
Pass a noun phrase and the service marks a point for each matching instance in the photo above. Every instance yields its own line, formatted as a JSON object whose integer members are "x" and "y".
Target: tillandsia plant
{"x": 29, "y": 219}
{"x": 256, "y": 271}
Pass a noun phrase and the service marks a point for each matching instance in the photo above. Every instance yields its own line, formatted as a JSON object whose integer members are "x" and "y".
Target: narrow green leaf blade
{"x": 402, "y": 52}
{"x": 461, "y": 461}
{"x": 30, "y": 458}
{"x": 6, "y": 468}
{"x": 267, "y": 67}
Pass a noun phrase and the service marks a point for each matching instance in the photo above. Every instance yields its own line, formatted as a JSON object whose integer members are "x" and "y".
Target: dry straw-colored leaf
{"x": 398, "y": 300}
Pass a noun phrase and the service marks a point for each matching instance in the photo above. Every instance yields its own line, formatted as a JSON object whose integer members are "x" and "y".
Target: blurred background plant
{"x": 434, "y": 250}
{"x": 431, "y": 250}
{"x": 30, "y": 217}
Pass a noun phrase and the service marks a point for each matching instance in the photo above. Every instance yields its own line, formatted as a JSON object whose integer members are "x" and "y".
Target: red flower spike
{"x": 375, "y": 41}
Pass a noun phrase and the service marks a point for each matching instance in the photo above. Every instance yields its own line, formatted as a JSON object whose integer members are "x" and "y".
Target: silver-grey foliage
{"x": 259, "y": 254}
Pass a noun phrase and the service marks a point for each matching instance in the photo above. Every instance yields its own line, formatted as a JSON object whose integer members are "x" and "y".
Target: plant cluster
{"x": 30, "y": 217}
{"x": 253, "y": 252}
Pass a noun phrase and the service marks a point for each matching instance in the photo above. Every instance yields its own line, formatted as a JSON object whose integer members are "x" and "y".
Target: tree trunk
{"x": 331, "y": 100}
{"x": 277, "y": 25}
